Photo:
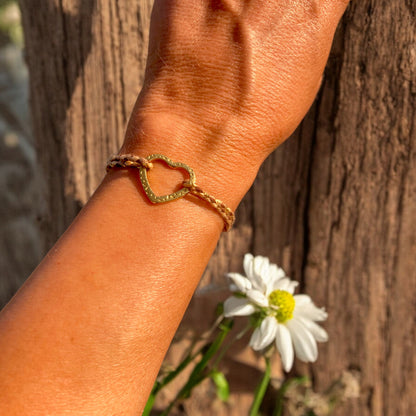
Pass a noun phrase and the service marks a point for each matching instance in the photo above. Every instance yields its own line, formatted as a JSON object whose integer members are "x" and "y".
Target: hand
{"x": 228, "y": 80}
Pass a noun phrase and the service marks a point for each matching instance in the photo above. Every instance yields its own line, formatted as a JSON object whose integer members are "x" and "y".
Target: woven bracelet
{"x": 143, "y": 164}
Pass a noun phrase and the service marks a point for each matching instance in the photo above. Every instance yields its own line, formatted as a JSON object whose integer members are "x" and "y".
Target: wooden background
{"x": 335, "y": 205}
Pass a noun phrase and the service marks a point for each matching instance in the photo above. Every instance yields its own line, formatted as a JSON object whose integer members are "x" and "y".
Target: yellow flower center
{"x": 286, "y": 304}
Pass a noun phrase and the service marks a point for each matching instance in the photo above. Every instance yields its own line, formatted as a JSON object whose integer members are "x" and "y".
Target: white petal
{"x": 302, "y": 299}
{"x": 286, "y": 284}
{"x": 259, "y": 273}
{"x": 285, "y": 347}
{"x": 238, "y": 307}
{"x": 257, "y": 297}
{"x": 293, "y": 285}
{"x": 317, "y": 331}
{"x": 277, "y": 272}
{"x": 260, "y": 265}
{"x": 275, "y": 276}
{"x": 255, "y": 338}
{"x": 248, "y": 265}
{"x": 242, "y": 283}
{"x": 265, "y": 334}
{"x": 261, "y": 268}
{"x": 303, "y": 341}
{"x": 309, "y": 310}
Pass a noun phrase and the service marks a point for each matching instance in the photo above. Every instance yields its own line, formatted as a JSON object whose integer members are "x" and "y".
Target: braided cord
{"x": 225, "y": 212}
{"x": 128, "y": 161}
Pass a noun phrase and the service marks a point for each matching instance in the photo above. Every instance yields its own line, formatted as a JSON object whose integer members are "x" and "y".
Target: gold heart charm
{"x": 173, "y": 165}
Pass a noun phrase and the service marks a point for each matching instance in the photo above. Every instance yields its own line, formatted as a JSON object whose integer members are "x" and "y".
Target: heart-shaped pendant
{"x": 173, "y": 165}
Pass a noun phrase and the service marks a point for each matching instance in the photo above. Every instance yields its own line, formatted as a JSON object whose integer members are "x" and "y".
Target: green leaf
{"x": 223, "y": 388}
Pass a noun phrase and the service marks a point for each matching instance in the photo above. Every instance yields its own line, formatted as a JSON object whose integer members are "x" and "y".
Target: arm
{"x": 226, "y": 82}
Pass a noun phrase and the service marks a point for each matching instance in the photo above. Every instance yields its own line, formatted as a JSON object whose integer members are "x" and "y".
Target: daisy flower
{"x": 289, "y": 320}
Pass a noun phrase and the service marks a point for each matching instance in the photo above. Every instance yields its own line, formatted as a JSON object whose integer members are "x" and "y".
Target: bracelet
{"x": 143, "y": 164}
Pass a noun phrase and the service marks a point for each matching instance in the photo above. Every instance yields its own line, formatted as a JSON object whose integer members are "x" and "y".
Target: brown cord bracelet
{"x": 143, "y": 164}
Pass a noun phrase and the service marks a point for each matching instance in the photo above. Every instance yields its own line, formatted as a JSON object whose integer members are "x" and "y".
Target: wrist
{"x": 220, "y": 170}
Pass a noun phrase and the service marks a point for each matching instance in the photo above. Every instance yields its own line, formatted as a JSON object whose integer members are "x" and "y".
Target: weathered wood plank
{"x": 361, "y": 242}
{"x": 87, "y": 62}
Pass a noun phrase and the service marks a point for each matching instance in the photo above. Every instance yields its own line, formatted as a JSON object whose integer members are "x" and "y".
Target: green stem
{"x": 149, "y": 404}
{"x": 169, "y": 377}
{"x": 261, "y": 390}
{"x": 227, "y": 347}
{"x": 197, "y": 375}
{"x": 183, "y": 364}
{"x": 188, "y": 359}
{"x": 211, "y": 351}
